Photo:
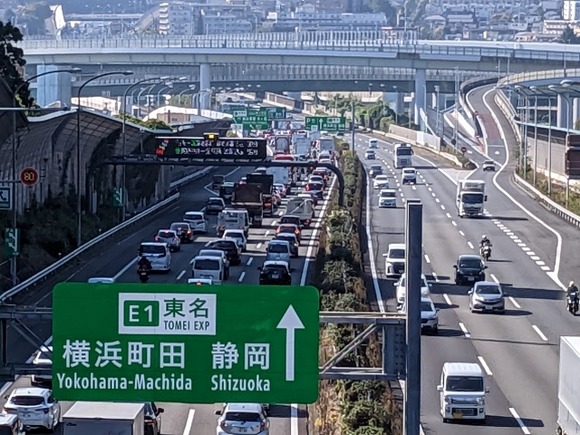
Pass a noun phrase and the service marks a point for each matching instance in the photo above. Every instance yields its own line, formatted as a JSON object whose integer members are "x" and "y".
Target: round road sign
{"x": 463, "y": 150}
{"x": 29, "y": 177}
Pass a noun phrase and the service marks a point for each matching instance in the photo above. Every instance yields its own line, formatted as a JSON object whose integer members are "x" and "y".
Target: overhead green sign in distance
{"x": 181, "y": 343}
{"x": 325, "y": 123}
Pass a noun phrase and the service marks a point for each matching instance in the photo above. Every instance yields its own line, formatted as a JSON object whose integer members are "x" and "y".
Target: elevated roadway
{"x": 518, "y": 351}
{"x": 119, "y": 261}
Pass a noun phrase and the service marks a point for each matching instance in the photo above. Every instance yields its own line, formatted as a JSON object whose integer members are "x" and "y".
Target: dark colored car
{"x": 217, "y": 181}
{"x": 290, "y": 238}
{"x": 469, "y": 269}
{"x": 375, "y": 170}
{"x": 227, "y": 190}
{"x": 316, "y": 189}
{"x": 183, "y": 230}
{"x": 229, "y": 247}
{"x": 290, "y": 228}
{"x": 214, "y": 205}
{"x": 275, "y": 273}
{"x": 152, "y": 416}
{"x": 290, "y": 219}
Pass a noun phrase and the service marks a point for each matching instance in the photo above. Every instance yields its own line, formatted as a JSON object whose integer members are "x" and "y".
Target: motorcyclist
{"x": 144, "y": 264}
{"x": 484, "y": 241}
{"x": 572, "y": 289}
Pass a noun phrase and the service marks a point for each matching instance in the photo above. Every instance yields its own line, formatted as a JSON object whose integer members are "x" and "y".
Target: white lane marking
{"x": 454, "y": 223}
{"x": 250, "y": 261}
{"x": 509, "y": 233}
{"x": 462, "y": 233}
{"x": 180, "y": 275}
{"x": 531, "y": 253}
{"x": 484, "y": 365}
{"x": 374, "y": 274}
{"x": 267, "y": 232}
{"x": 442, "y": 207}
{"x": 534, "y": 257}
{"x": 545, "y": 268}
{"x": 189, "y": 422}
{"x": 427, "y": 259}
{"x": 522, "y": 245}
{"x": 274, "y": 222}
{"x": 513, "y": 301}
{"x": 519, "y": 421}
{"x": 437, "y": 200}
{"x": 435, "y": 277}
{"x": 470, "y": 245}
{"x": 540, "y": 333}
{"x": 294, "y": 419}
{"x": 242, "y": 276}
{"x": 448, "y": 215}
{"x": 123, "y": 270}
{"x": 433, "y": 194}
{"x": 259, "y": 245}
{"x": 513, "y": 237}
{"x": 464, "y": 330}
{"x": 414, "y": 187}
{"x": 446, "y": 297}
{"x": 526, "y": 249}
{"x": 540, "y": 263}
{"x": 494, "y": 278}
{"x": 517, "y": 240}
{"x": 554, "y": 274}
{"x": 281, "y": 212}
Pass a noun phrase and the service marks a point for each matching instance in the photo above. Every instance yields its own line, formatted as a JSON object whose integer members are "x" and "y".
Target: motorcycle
{"x": 485, "y": 252}
{"x": 143, "y": 274}
{"x": 572, "y": 303}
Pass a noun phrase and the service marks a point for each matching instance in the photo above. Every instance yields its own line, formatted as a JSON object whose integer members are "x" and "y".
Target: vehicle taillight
{"x": 297, "y": 231}
{"x": 223, "y": 424}
{"x": 9, "y": 410}
{"x": 263, "y": 425}
{"x": 156, "y": 238}
{"x": 307, "y": 187}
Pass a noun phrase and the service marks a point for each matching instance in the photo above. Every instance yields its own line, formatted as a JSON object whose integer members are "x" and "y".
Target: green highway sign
{"x": 325, "y": 123}
{"x": 275, "y": 112}
{"x": 252, "y": 119}
{"x": 185, "y": 343}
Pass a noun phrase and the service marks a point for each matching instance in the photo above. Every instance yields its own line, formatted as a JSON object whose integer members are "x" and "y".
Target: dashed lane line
{"x": 189, "y": 422}
{"x": 464, "y": 330}
{"x": 427, "y": 259}
{"x": 448, "y": 215}
{"x": 446, "y": 297}
{"x": 485, "y": 366}
{"x": 470, "y": 245}
{"x": 523, "y": 427}
{"x": 513, "y": 301}
{"x": 180, "y": 275}
{"x": 250, "y": 261}
{"x": 454, "y": 223}
{"x": 435, "y": 277}
{"x": 461, "y": 233}
{"x": 540, "y": 333}
{"x": 242, "y": 276}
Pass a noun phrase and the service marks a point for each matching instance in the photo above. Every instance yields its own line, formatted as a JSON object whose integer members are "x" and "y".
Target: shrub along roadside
{"x": 349, "y": 407}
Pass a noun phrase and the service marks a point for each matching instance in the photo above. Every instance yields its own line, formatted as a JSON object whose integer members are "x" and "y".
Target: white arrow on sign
{"x": 290, "y": 322}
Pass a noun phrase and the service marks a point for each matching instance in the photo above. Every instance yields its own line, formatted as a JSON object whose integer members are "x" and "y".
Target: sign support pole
{"x": 413, "y": 263}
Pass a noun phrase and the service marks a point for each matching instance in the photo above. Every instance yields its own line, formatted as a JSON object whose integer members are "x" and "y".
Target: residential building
{"x": 571, "y": 10}
{"x": 222, "y": 24}
{"x": 308, "y": 20}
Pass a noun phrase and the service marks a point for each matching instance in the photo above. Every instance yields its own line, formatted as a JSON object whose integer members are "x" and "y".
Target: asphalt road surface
{"x": 119, "y": 261}
{"x": 518, "y": 350}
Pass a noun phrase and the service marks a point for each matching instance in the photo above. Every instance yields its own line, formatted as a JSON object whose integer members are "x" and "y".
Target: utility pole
{"x": 352, "y": 127}
{"x": 413, "y": 266}
{"x": 456, "y": 107}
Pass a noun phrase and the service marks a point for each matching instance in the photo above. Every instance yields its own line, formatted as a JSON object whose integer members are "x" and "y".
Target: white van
{"x": 373, "y": 143}
{"x": 232, "y": 219}
{"x": 462, "y": 392}
{"x": 301, "y": 207}
{"x": 208, "y": 268}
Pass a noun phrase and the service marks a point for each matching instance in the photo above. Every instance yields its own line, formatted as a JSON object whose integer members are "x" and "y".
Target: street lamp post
{"x": 189, "y": 88}
{"x": 396, "y": 105}
{"x": 168, "y": 85}
{"x": 549, "y": 136}
{"x": 437, "y": 89}
{"x": 79, "y": 108}
{"x": 13, "y": 259}
{"x": 566, "y": 97}
{"x": 124, "y": 140}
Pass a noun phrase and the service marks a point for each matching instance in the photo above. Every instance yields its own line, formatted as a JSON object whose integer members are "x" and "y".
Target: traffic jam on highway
{"x": 486, "y": 290}
{"x": 239, "y": 226}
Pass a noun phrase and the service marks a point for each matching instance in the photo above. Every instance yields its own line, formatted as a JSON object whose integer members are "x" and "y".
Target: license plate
{"x": 457, "y": 415}
{"x": 275, "y": 276}
{"x": 242, "y": 430}
{"x": 470, "y": 278}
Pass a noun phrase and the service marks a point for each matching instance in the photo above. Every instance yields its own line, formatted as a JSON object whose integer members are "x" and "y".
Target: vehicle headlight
{"x": 447, "y": 399}
{"x": 481, "y": 401}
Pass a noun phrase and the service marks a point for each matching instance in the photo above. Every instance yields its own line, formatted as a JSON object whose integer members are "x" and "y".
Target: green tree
{"x": 12, "y": 61}
{"x": 569, "y": 37}
{"x": 381, "y": 6}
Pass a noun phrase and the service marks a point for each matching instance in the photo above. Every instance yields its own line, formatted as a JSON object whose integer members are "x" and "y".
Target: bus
{"x": 402, "y": 156}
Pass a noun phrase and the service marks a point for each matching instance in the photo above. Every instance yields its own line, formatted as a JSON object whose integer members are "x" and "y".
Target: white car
{"x": 217, "y": 253}
{"x": 196, "y": 220}
{"x": 370, "y": 155}
{"x": 488, "y": 165}
{"x": 388, "y": 198}
{"x": 409, "y": 175}
{"x": 401, "y": 293}
{"x": 395, "y": 260}
{"x": 281, "y": 189}
{"x": 158, "y": 255}
{"x": 101, "y": 280}
{"x": 42, "y": 358}
{"x": 239, "y": 237}
{"x": 200, "y": 281}
{"x": 381, "y": 182}
{"x": 35, "y": 407}
{"x": 429, "y": 315}
{"x": 242, "y": 418}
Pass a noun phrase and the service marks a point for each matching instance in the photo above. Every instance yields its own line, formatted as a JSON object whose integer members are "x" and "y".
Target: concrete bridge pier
{"x": 395, "y": 101}
{"x": 575, "y": 111}
{"x": 53, "y": 87}
{"x": 204, "y": 86}
{"x": 420, "y": 94}
{"x": 438, "y": 100}
{"x": 564, "y": 112}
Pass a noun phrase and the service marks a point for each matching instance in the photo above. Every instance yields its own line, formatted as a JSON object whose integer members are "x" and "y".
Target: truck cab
{"x": 470, "y": 198}
{"x": 462, "y": 392}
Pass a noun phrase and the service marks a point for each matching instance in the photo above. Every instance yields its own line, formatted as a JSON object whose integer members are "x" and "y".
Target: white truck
{"x": 326, "y": 143}
{"x": 568, "y": 379}
{"x": 470, "y": 198}
{"x": 300, "y": 145}
{"x": 98, "y": 418}
{"x": 281, "y": 175}
{"x": 230, "y": 220}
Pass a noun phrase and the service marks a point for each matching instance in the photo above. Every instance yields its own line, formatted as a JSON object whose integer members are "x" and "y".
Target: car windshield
{"x": 286, "y": 237}
{"x": 464, "y": 383}
{"x": 370, "y": 153}
{"x": 193, "y": 217}
{"x": 426, "y": 306}
{"x": 487, "y": 290}
{"x": 470, "y": 264}
{"x": 287, "y": 228}
{"x": 376, "y": 168}
{"x": 219, "y": 178}
{"x": 214, "y": 201}
{"x": 223, "y": 245}
{"x": 289, "y": 220}
{"x": 206, "y": 264}
{"x": 278, "y": 248}
{"x": 228, "y": 189}
{"x": 233, "y": 235}
{"x": 472, "y": 198}
{"x": 180, "y": 226}
{"x": 243, "y": 417}
{"x": 152, "y": 249}
{"x": 387, "y": 194}
{"x": 381, "y": 178}
{"x": 488, "y": 162}
{"x": 405, "y": 151}
{"x": 166, "y": 234}
{"x": 274, "y": 269}
{"x": 397, "y": 253}
{"x": 27, "y": 400}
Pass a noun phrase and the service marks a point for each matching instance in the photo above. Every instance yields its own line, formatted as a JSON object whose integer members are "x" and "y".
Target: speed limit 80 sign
{"x": 29, "y": 177}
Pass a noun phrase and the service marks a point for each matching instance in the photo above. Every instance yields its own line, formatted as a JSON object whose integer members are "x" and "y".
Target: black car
{"x": 229, "y": 247}
{"x": 290, "y": 238}
{"x": 217, "y": 181}
{"x": 275, "y": 273}
{"x": 152, "y": 416}
{"x": 376, "y": 170}
{"x": 183, "y": 230}
{"x": 469, "y": 269}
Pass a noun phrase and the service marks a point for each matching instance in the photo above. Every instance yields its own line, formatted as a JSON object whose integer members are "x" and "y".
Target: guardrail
{"x": 539, "y": 75}
{"x": 40, "y": 276}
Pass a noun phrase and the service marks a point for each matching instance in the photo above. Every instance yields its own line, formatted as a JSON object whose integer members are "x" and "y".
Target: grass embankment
{"x": 558, "y": 193}
{"x": 349, "y": 407}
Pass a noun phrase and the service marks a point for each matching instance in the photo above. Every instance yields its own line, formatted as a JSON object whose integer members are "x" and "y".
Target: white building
{"x": 177, "y": 19}
{"x": 571, "y": 10}
{"x": 222, "y": 24}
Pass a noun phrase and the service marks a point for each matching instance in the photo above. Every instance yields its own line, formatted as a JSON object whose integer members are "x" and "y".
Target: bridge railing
{"x": 557, "y": 74}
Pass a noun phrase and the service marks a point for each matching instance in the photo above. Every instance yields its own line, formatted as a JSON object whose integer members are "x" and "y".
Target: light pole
{"x": 524, "y": 152}
{"x": 566, "y": 97}
{"x": 168, "y": 85}
{"x": 534, "y": 89}
{"x": 13, "y": 259}
{"x": 189, "y": 88}
{"x": 549, "y": 137}
{"x": 79, "y": 108}
{"x": 124, "y": 141}
{"x": 396, "y": 105}
{"x": 437, "y": 89}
